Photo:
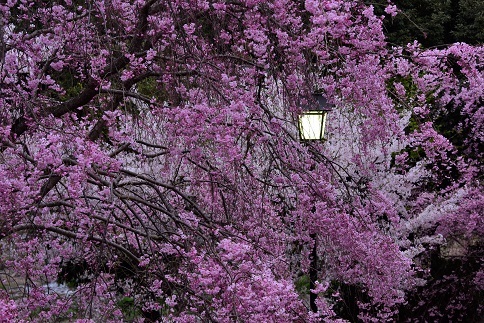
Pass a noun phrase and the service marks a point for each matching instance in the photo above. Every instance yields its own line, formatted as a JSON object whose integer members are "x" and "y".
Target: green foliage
{"x": 414, "y": 155}
{"x": 469, "y": 26}
{"x": 447, "y": 124}
{"x": 434, "y": 22}
{"x": 129, "y": 309}
{"x": 67, "y": 81}
{"x": 413, "y": 124}
{"x": 302, "y": 284}
{"x": 148, "y": 87}
{"x": 151, "y": 88}
{"x": 410, "y": 87}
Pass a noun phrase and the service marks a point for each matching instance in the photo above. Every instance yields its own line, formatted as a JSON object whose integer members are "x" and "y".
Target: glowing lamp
{"x": 312, "y": 120}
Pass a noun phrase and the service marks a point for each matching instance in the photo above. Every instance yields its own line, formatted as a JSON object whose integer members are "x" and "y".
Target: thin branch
{"x": 73, "y": 235}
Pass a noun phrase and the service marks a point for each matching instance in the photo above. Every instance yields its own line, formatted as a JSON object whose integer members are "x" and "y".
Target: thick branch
{"x": 91, "y": 89}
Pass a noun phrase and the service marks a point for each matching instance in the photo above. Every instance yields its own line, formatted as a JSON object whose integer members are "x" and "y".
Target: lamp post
{"x": 312, "y": 124}
{"x": 312, "y": 121}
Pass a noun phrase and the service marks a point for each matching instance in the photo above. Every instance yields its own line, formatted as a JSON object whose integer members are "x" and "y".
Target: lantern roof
{"x": 318, "y": 102}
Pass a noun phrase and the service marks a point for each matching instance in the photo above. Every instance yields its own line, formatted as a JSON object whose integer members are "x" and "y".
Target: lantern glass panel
{"x": 312, "y": 124}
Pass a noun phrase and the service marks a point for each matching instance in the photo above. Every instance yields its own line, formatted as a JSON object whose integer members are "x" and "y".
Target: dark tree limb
{"x": 313, "y": 274}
